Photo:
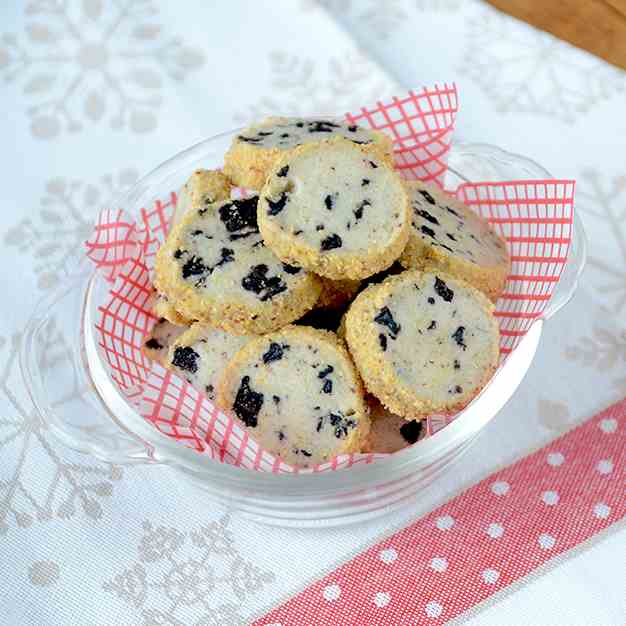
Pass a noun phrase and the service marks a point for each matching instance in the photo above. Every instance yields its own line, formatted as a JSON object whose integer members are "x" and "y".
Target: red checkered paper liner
{"x": 534, "y": 217}
{"x": 493, "y": 534}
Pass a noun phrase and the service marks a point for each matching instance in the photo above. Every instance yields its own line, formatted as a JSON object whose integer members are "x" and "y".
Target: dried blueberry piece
{"x": 385, "y": 318}
{"x": 194, "y": 267}
{"x": 300, "y": 124}
{"x": 186, "y": 358}
{"x": 283, "y": 171}
{"x": 338, "y": 421}
{"x": 297, "y": 232}
{"x": 194, "y": 233}
{"x": 275, "y": 352}
{"x": 427, "y": 196}
{"x": 209, "y": 391}
{"x": 382, "y": 340}
{"x": 249, "y": 139}
{"x": 329, "y": 201}
{"x": 276, "y": 399}
{"x": 276, "y": 206}
{"x": 457, "y": 335}
{"x": 178, "y": 253}
{"x": 306, "y": 452}
{"x": 322, "y": 126}
{"x": 442, "y": 290}
{"x": 361, "y": 141}
{"x": 453, "y": 212}
{"x": 265, "y": 133}
{"x": 411, "y": 431}
{"x": 284, "y": 135}
{"x": 320, "y": 227}
{"x": 428, "y": 217}
{"x": 227, "y": 255}
{"x": 431, "y": 300}
{"x": 428, "y": 231}
{"x": 352, "y": 128}
{"x": 331, "y": 242}
{"x": 291, "y": 269}
{"x": 374, "y": 166}
{"x": 240, "y": 215}
{"x": 432, "y": 325}
{"x": 280, "y": 434}
{"x": 153, "y": 344}
{"x": 329, "y": 369}
{"x": 458, "y": 389}
{"x": 248, "y": 403}
{"x": 328, "y": 386}
{"x": 358, "y": 212}
{"x": 451, "y": 236}
{"x": 258, "y": 282}
{"x": 365, "y": 182}
{"x": 457, "y": 364}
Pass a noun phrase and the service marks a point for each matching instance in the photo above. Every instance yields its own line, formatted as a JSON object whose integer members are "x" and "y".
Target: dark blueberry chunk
{"x": 362, "y": 141}
{"x": 327, "y": 370}
{"x": 352, "y": 128}
{"x": 453, "y": 212}
{"x": 382, "y": 340}
{"x": 320, "y": 227}
{"x": 227, "y": 255}
{"x": 458, "y": 389}
{"x": 297, "y": 232}
{"x": 451, "y": 236}
{"x": 194, "y": 233}
{"x": 428, "y": 217}
{"x": 186, "y": 358}
{"x": 432, "y": 325}
{"x": 276, "y": 206}
{"x": 431, "y": 300}
{"x": 291, "y": 269}
{"x": 276, "y": 399}
{"x": 328, "y": 386}
{"x": 411, "y": 431}
{"x": 457, "y": 364}
{"x": 266, "y": 287}
{"x": 283, "y": 171}
{"x": 385, "y": 318}
{"x": 358, "y": 212}
{"x": 374, "y": 166}
{"x": 459, "y": 338}
{"x": 329, "y": 201}
{"x": 427, "y": 231}
{"x": 265, "y": 133}
{"x": 331, "y": 242}
{"x": 178, "y": 253}
{"x": 275, "y": 352}
{"x": 300, "y": 124}
{"x": 338, "y": 421}
{"x": 249, "y": 139}
{"x": 248, "y": 403}
{"x": 280, "y": 434}
{"x": 448, "y": 248}
{"x": 306, "y": 453}
{"x": 239, "y": 217}
{"x": 427, "y": 196}
{"x": 153, "y": 344}
{"x": 365, "y": 182}
{"x": 194, "y": 267}
{"x": 322, "y": 126}
{"x": 443, "y": 290}
{"x": 209, "y": 391}
{"x": 284, "y": 135}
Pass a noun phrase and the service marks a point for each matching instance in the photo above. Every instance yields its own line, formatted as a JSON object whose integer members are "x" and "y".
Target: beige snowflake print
{"x": 195, "y": 577}
{"x": 86, "y": 62}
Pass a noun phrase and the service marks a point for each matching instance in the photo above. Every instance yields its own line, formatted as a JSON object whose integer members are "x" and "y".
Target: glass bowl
{"x": 80, "y": 404}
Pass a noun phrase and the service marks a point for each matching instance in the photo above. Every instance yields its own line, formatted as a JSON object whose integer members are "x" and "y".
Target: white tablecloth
{"x": 95, "y": 93}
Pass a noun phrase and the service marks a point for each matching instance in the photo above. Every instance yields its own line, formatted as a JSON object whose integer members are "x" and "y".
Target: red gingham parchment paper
{"x": 491, "y": 535}
{"x": 534, "y": 217}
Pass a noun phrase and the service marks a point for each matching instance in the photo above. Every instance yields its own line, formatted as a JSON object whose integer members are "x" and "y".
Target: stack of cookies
{"x": 333, "y": 306}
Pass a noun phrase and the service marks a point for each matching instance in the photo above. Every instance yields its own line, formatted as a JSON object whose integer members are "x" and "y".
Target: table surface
{"x": 96, "y": 94}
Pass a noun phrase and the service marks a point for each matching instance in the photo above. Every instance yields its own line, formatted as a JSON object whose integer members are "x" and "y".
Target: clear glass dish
{"x": 78, "y": 401}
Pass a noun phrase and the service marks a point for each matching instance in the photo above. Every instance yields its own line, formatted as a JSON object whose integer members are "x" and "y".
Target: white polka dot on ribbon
{"x": 500, "y": 488}
{"x": 332, "y": 592}
{"x": 433, "y": 609}
{"x": 382, "y": 599}
{"x": 388, "y": 556}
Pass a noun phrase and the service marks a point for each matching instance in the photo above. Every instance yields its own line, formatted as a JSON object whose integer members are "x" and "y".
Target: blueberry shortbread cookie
{"x": 203, "y": 187}
{"x": 216, "y": 268}
{"x": 335, "y": 209}
{"x": 160, "y": 338}
{"x": 298, "y": 394}
{"x": 389, "y": 432}
{"x": 201, "y": 354}
{"x": 424, "y": 342}
{"x": 255, "y": 150}
{"x": 164, "y": 308}
{"x": 453, "y": 238}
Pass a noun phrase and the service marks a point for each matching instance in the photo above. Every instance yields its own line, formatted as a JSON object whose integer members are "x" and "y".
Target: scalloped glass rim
{"x": 155, "y": 448}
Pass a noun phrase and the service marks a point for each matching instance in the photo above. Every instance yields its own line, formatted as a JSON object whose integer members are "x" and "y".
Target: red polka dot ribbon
{"x": 488, "y": 537}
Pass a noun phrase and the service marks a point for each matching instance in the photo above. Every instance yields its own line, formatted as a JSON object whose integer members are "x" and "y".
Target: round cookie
{"x": 298, "y": 394}
{"x": 448, "y": 235}
{"x": 390, "y": 433}
{"x": 160, "y": 338}
{"x": 256, "y": 149}
{"x": 334, "y": 209}
{"x": 424, "y": 342}
{"x": 203, "y": 187}
{"x": 201, "y": 354}
{"x": 337, "y": 293}
{"x": 216, "y": 269}
{"x": 164, "y": 308}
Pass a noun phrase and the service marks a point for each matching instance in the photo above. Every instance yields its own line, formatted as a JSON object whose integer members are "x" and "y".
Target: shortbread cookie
{"x": 297, "y": 393}
{"x": 424, "y": 342}
{"x": 202, "y": 188}
{"x": 449, "y": 236}
{"x": 255, "y": 150}
{"x": 216, "y": 269}
{"x": 389, "y": 432}
{"x": 160, "y": 338}
{"x": 201, "y": 354}
{"x": 334, "y": 209}
{"x": 164, "y": 308}
{"x": 337, "y": 293}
